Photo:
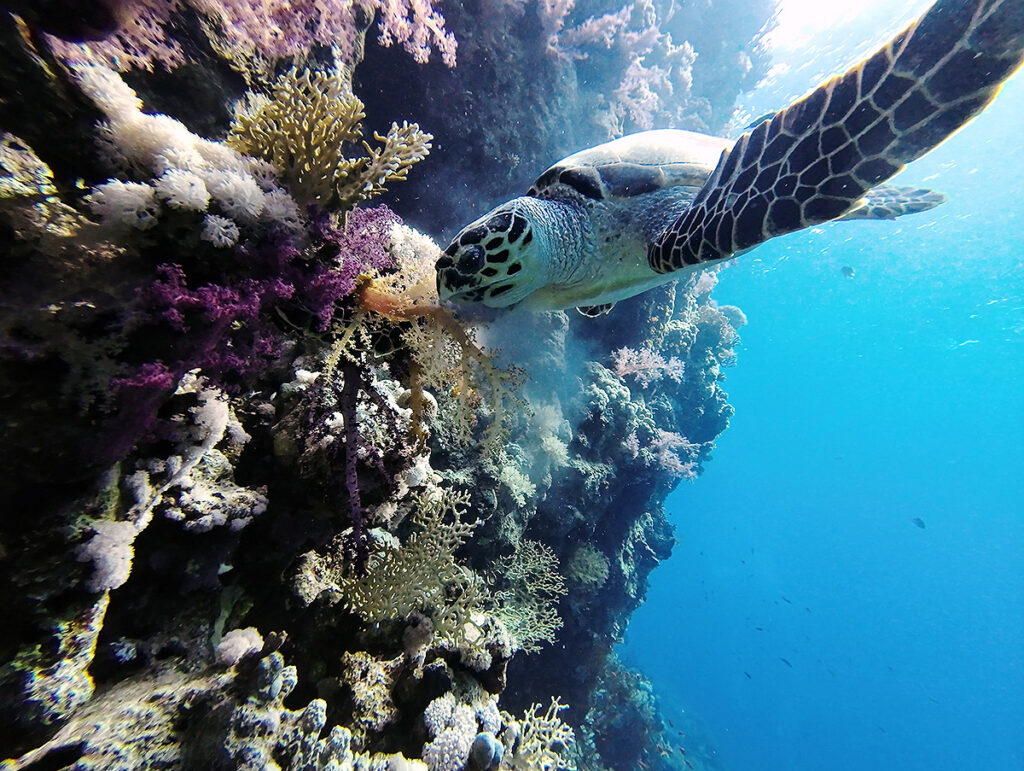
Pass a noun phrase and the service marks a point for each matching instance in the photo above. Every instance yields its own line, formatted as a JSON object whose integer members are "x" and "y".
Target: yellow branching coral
{"x": 302, "y": 128}
{"x": 422, "y": 575}
{"x": 546, "y": 742}
{"x": 366, "y": 177}
{"x": 528, "y": 586}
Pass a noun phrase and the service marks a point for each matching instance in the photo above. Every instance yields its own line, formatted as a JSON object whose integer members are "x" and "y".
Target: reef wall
{"x": 266, "y": 504}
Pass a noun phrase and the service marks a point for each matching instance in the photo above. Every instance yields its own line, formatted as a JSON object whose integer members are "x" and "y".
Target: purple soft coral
{"x": 359, "y": 247}
{"x": 227, "y": 334}
{"x": 230, "y": 327}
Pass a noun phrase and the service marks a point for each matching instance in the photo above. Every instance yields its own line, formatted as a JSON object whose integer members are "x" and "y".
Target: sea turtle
{"x": 615, "y": 220}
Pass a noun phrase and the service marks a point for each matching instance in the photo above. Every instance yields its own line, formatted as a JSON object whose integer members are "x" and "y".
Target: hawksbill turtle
{"x": 617, "y": 219}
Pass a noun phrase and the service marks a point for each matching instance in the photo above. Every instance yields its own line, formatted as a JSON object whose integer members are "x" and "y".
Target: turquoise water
{"x": 863, "y": 404}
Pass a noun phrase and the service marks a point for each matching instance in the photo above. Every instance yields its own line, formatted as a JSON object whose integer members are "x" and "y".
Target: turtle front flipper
{"x": 816, "y": 159}
{"x": 887, "y": 202}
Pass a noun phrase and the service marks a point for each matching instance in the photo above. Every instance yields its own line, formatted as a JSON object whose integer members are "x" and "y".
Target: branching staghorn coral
{"x": 303, "y": 127}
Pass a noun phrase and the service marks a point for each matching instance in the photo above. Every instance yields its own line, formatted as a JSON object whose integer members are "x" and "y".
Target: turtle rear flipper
{"x": 887, "y": 202}
{"x": 817, "y": 158}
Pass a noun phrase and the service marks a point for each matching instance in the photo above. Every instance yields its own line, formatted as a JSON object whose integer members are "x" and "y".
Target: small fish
{"x": 748, "y": 675}
{"x": 918, "y": 522}
{"x": 788, "y": 601}
{"x": 759, "y": 628}
{"x": 848, "y": 272}
{"x": 786, "y": 662}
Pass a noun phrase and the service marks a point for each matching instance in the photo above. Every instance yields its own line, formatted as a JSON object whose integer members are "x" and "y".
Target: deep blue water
{"x": 862, "y": 404}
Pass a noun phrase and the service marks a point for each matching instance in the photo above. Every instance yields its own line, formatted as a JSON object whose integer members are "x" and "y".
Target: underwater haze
{"x": 846, "y": 589}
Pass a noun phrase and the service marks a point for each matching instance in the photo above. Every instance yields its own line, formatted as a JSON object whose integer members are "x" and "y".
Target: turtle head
{"x": 497, "y": 260}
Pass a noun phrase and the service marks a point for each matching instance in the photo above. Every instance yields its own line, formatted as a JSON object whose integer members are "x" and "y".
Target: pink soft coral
{"x": 645, "y": 365}
{"x": 267, "y": 29}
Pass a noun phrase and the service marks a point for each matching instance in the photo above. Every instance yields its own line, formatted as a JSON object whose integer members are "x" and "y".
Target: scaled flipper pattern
{"x": 817, "y": 158}
{"x": 887, "y": 202}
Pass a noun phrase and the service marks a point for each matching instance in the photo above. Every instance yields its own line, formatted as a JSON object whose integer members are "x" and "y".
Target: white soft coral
{"x": 189, "y": 169}
{"x": 129, "y": 204}
{"x": 182, "y": 189}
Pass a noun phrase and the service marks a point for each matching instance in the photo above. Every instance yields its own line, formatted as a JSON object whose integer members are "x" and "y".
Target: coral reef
{"x": 268, "y": 504}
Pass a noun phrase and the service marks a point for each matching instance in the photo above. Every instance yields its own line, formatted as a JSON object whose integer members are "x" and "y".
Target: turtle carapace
{"x": 617, "y": 219}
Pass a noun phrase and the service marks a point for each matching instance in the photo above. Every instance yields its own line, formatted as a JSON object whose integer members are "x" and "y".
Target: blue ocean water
{"x": 847, "y": 591}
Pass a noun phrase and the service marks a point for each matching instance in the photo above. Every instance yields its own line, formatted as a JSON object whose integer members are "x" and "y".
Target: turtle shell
{"x": 633, "y": 165}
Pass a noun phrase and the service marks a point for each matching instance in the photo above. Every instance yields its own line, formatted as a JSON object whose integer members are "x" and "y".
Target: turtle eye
{"x": 472, "y": 260}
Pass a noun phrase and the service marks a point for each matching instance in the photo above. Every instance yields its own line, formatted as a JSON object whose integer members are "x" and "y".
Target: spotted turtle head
{"x": 495, "y": 261}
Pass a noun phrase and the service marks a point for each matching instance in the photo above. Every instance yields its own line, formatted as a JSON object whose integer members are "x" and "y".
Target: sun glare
{"x": 813, "y": 39}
